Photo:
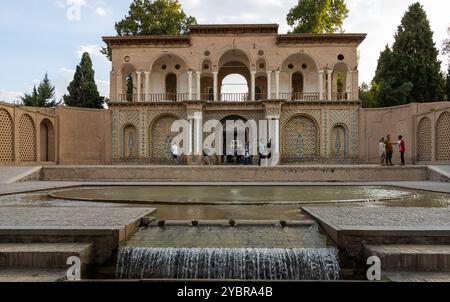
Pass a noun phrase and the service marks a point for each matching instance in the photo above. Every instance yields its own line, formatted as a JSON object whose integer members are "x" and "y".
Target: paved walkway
{"x": 10, "y": 175}
{"x": 70, "y": 218}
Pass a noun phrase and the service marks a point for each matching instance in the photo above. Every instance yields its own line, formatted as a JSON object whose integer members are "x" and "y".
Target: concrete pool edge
{"x": 58, "y": 194}
{"x": 45, "y": 186}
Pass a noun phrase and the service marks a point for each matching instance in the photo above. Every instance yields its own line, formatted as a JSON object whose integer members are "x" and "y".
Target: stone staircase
{"x": 413, "y": 263}
{"x": 41, "y": 262}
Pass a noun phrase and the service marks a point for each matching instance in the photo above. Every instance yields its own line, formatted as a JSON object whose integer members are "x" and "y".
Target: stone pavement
{"x": 10, "y": 175}
{"x": 69, "y": 218}
{"x": 396, "y": 219}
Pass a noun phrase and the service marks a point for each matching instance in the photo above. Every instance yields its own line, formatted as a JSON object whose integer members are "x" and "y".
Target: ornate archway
{"x": 443, "y": 137}
{"x": 6, "y": 137}
{"x": 300, "y": 139}
{"x": 424, "y": 140}
{"x": 27, "y": 139}
{"x": 130, "y": 141}
{"x": 161, "y": 137}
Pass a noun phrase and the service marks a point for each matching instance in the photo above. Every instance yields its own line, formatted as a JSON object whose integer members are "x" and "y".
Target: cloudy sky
{"x": 39, "y": 36}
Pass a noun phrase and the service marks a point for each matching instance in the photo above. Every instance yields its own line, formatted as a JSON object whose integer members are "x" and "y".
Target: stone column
{"x": 330, "y": 84}
{"x": 190, "y": 85}
{"x": 269, "y": 85}
{"x": 277, "y": 82}
{"x": 216, "y": 86}
{"x": 199, "y": 85}
{"x": 320, "y": 85}
{"x": 253, "y": 86}
{"x": 139, "y": 76}
{"x": 198, "y": 134}
{"x": 119, "y": 88}
{"x": 349, "y": 84}
{"x": 355, "y": 85}
{"x": 189, "y": 138}
{"x": 147, "y": 86}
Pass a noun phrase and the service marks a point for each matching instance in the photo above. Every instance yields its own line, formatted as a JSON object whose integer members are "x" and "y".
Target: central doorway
{"x": 239, "y": 145}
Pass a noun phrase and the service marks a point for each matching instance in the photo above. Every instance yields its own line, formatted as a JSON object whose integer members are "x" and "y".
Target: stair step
{"x": 32, "y": 275}
{"x": 44, "y": 256}
{"x": 428, "y": 258}
{"x": 417, "y": 276}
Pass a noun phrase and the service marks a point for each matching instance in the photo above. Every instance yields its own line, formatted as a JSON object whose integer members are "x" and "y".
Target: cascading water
{"x": 228, "y": 263}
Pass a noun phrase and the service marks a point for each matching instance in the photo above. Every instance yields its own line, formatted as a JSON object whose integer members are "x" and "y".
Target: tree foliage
{"x": 83, "y": 91}
{"x": 42, "y": 96}
{"x": 410, "y": 71}
{"x": 318, "y": 16}
{"x": 157, "y": 17}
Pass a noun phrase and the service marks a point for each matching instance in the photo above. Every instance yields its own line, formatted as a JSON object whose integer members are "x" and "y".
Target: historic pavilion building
{"x": 307, "y": 83}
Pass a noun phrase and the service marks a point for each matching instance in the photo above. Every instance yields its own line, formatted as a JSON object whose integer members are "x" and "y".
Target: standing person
{"x": 402, "y": 149}
{"x": 175, "y": 152}
{"x": 382, "y": 151}
{"x": 389, "y": 150}
{"x": 261, "y": 150}
{"x": 206, "y": 160}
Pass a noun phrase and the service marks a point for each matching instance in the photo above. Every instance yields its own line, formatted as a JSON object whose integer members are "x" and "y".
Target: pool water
{"x": 234, "y": 194}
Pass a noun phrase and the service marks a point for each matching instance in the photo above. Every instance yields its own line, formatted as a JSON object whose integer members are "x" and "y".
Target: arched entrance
{"x": 234, "y": 67}
{"x": 301, "y": 142}
{"x": 171, "y": 87}
{"x": 298, "y": 78}
{"x": 297, "y": 86}
{"x": 47, "y": 135}
{"x": 233, "y": 149}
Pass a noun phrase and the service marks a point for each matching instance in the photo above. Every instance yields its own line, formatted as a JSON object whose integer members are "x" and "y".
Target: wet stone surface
{"x": 360, "y": 217}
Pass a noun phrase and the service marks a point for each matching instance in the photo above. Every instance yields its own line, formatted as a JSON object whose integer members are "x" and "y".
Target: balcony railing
{"x": 232, "y": 97}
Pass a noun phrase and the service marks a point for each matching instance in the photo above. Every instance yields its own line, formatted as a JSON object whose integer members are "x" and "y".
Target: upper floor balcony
{"x": 232, "y": 97}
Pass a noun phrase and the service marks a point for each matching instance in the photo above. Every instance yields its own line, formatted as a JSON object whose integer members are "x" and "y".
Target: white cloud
{"x": 93, "y": 50}
{"x": 9, "y": 96}
{"x": 73, "y": 8}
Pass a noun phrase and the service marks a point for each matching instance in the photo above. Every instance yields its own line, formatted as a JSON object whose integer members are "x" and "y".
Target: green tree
{"x": 318, "y": 16}
{"x": 158, "y": 17}
{"x": 83, "y": 90}
{"x": 447, "y": 84}
{"x": 410, "y": 72}
{"x": 42, "y": 96}
{"x": 446, "y": 50}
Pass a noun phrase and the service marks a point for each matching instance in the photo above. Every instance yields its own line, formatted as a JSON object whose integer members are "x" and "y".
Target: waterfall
{"x": 228, "y": 264}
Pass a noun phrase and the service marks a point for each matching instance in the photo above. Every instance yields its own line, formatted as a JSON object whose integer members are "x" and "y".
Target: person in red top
{"x": 402, "y": 149}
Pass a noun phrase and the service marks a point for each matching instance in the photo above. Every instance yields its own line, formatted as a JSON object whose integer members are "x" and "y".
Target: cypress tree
{"x": 410, "y": 72}
{"x": 83, "y": 91}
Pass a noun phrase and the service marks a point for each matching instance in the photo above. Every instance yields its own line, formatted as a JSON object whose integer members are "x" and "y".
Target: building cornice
{"x": 173, "y": 40}
{"x": 320, "y": 38}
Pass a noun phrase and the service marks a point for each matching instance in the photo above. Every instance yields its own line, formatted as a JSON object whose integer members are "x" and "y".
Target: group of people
{"x": 386, "y": 150}
{"x": 246, "y": 159}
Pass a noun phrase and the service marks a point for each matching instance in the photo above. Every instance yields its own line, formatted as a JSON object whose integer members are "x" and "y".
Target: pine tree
{"x": 83, "y": 90}
{"x": 46, "y": 92}
{"x": 31, "y": 99}
{"x": 42, "y": 96}
{"x": 410, "y": 72}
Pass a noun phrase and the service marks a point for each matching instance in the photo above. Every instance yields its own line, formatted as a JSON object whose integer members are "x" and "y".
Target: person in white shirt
{"x": 382, "y": 151}
{"x": 175, "y": 151}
